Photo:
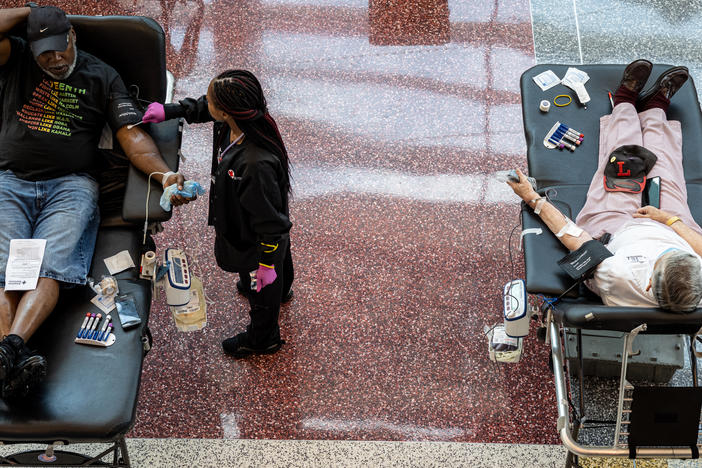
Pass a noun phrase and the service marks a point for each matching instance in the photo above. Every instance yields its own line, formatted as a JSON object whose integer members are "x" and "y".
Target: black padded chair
{"x": 90, "y": 393}
{"x": 566, "y": 177}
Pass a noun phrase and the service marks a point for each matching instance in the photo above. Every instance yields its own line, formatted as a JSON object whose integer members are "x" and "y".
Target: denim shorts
{"x": 63, "y": 211}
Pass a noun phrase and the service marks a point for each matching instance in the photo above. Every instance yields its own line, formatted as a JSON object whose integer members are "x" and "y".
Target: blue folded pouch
{"x": 190, "y": 189}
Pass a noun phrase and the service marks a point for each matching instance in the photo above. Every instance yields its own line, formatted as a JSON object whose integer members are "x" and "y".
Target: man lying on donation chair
{"x": 656, "y": 259}
{"x": 56, "y": 100}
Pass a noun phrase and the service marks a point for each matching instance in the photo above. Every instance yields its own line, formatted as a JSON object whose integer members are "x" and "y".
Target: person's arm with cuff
{"x": 690, "y": 236}
{"x": 549, "y": 214}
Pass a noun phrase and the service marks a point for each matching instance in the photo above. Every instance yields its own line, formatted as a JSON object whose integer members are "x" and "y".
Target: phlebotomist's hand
{"x": 265, "y": 275}
{"x": 523, "y": 188}
{"x": 653, "y": 213}
{"x": 155, "y": 113}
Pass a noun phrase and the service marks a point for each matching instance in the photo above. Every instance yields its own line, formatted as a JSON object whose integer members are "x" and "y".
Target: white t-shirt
{"x": 621, "y": 280}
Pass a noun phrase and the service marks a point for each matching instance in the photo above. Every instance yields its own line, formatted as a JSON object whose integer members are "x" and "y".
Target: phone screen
{"x": 652, "y": 192}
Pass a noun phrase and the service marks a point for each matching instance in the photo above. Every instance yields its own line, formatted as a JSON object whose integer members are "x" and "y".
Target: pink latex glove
{"x": 154, "y": 113}
{"x": 264, "y": 276}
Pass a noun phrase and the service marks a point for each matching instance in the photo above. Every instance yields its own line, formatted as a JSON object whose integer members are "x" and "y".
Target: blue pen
{"x": 91, "y": 332}
{"x": 82, "y": 327}
{"x": 101, "y": 335}
{"x": 109, "y": 329}
{"x": 84, "y": 333}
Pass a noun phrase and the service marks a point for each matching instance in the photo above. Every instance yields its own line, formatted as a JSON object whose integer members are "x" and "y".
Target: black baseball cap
{"x": 627, "y": 168}
{"x": 47, "y": 29}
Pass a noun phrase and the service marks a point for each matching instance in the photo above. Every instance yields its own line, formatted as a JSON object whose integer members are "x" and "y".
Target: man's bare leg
{"x": 8, "y": 308}
{"x": 34, "y": 308}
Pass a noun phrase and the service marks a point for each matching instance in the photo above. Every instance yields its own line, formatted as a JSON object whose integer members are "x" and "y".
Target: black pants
{"x": 265, "y": 305}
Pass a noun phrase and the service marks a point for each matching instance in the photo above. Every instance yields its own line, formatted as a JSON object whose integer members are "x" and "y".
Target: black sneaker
{"x": 240, "y": 288}
{"x": 238, "y": 346}
{"x": 9, "y": 347}
{"x": 30, "y": 370}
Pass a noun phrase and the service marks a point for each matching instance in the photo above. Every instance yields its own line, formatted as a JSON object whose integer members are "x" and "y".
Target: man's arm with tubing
{"x": 145, "y": 156}
{"x": 690, "y": 236}
{"x": 556, "y": 221}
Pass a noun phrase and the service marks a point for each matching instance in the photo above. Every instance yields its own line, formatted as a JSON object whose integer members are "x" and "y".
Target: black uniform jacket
{"x": 248, "y": 196}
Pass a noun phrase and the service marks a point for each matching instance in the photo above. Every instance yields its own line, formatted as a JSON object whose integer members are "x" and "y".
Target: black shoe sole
{"x": 245, "y": 351}
{"x": 27, "y": 375}
{"x": 649, "y": 93}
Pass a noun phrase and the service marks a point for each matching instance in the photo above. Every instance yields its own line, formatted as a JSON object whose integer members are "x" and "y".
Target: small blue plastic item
{"x": 190, "y": 189}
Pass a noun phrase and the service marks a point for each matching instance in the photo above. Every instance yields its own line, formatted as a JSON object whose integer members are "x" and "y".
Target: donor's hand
{"x": 523, "y": 188}
{"x": 653, "y": 213}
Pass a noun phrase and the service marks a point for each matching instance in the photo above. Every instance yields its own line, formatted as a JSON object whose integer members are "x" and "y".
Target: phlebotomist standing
{"x": 248, "y": 200}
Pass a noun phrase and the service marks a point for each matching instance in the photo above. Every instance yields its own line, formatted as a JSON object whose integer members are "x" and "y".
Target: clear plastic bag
{"x": 127, "y": 311}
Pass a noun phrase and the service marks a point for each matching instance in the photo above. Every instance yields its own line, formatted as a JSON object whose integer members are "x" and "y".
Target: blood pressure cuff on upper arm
{"x": 123, "y": 110}
{"x": 580, "y": 263}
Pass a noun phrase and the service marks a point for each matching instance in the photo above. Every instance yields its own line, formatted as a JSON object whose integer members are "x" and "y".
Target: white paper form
{"x": 24, "y": 264}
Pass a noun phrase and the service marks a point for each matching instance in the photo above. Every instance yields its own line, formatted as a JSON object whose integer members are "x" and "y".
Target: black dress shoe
{"x": 240, "y": 288}
{"x": 636, "y": 74}
{"x": 668, "y": 84}
{"x": 239, "y": 346}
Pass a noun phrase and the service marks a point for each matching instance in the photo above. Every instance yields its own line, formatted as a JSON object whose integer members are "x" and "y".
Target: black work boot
{"x": 239, "y": 346}
{"x": 29, "y": 370}
{"x": 9, "y": 347}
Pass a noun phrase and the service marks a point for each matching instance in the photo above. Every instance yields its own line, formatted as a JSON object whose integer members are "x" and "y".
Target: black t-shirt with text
{"x": 51, "y": 128}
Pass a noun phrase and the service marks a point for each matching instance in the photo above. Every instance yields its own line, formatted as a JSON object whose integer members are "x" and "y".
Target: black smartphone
{"x": 652, "y": 192}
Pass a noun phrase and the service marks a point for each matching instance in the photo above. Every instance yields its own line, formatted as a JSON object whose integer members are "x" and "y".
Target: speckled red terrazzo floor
{"x": 394, "y": 116}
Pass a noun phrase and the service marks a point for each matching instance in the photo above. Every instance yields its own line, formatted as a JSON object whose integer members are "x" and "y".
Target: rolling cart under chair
{"x": 90, "y": 393}
{"x": 653, "y": 420}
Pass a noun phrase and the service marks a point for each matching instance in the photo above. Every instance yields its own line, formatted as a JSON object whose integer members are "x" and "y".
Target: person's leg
{"x": 607, "y": 211}
{"x": 664, "y": 139}
{"x": 288, "y": 276}
{"x": 262, "y": 335}
{"x": 17, "y": 204}
{"x": 68, "y": 220}
{"x": 34, "y": 307}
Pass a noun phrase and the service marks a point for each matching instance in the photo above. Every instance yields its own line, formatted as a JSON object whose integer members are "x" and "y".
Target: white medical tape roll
{"x": 544, "y": 106}
{"x": 149, "y": 257}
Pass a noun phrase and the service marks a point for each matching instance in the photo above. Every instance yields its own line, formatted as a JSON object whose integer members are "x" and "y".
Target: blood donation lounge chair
{"x": 652, "y": 420}
{"x": 90, "y": 393}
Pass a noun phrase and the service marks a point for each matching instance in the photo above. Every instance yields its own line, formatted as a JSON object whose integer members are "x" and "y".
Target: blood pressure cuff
{"x": 579, "y": 264}
{"x": 123, "y": 110}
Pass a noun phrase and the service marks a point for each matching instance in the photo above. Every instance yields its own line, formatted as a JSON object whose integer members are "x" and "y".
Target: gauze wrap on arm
{"x": 570, "y": 228}
{"x": 190, "y": 189}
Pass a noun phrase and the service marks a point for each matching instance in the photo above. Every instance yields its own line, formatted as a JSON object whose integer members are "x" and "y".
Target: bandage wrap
{"x": 190, "y": 189}
{"x": 570, "y": 228}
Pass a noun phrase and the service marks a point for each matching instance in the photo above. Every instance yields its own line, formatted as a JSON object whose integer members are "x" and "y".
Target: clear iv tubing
{"x": 148, "y": 193}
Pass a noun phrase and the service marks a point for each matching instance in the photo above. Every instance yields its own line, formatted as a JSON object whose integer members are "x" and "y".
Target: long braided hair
{"x": 239, "y": 94}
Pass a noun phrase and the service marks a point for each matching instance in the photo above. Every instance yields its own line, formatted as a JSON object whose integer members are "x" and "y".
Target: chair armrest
{"x": 167, "y": 136}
